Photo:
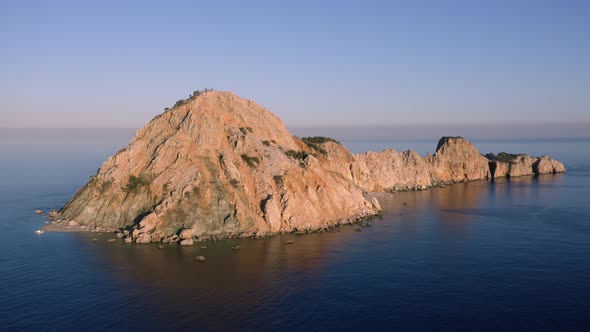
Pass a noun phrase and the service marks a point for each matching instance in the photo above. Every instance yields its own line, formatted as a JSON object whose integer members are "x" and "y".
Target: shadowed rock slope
{"x": 222, "y": 166}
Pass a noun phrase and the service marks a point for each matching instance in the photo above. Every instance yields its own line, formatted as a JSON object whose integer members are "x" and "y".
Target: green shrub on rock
{"x": 250, "y": 161}
{"x": 135, "y": 183}
{"x": 315, "y": 143}
{"x": 297, "y": 155}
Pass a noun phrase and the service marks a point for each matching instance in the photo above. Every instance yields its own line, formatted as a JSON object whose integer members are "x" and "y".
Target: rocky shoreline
{"x": 219, "y": 166}
{"x": 185, "y": 237}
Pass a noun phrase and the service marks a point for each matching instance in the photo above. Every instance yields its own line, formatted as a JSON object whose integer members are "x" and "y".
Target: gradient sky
{"x": 313, "y": 63}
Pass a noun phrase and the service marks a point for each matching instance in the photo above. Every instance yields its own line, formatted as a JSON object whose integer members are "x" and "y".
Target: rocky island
{"x": 217, "y": 165}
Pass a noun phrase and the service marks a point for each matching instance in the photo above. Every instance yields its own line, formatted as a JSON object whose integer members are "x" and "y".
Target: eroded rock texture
{"x": 219, "y": 165}
{"x": 222, "y": 166}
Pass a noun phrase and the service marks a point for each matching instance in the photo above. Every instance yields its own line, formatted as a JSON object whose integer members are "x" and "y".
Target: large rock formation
{"x": 217, "y": 165}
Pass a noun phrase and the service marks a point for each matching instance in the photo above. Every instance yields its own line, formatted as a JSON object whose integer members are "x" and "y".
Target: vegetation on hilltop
{"x": 315, "y": 143}
{"x": 319, "y": 140}
{"x": 193, "y": 95}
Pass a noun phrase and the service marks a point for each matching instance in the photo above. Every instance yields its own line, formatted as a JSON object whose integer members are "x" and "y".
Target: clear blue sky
{"x": 313, "y": 63}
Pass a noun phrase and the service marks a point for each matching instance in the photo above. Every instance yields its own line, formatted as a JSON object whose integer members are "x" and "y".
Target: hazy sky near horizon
{"x": 313, "y": 63}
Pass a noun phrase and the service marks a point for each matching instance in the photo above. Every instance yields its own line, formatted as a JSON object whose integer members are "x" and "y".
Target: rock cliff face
{"x": 520, "y": 165}
{"x": 222, "y": 166}
{"x": 390, "y": 170}
{"x": 455, "y": 160}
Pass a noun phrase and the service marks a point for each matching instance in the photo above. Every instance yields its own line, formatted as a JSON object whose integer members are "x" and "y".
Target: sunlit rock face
{"x": 217, "y": 165}
{"x": 519, "y": 165}
{"x": 390, "y": 170}
{"x": 455, "y": 160}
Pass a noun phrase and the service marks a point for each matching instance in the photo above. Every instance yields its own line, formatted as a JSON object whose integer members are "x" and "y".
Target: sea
{"x": 479, "y": 256}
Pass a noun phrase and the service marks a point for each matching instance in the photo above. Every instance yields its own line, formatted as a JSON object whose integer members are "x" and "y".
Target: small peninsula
{"x": 217, "y": 165}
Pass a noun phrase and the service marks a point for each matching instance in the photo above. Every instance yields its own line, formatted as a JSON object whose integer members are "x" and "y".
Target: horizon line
{"x": 340, "y": 126}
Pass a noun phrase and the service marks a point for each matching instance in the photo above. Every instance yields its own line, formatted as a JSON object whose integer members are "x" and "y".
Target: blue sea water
{"x": 504, "y": 256}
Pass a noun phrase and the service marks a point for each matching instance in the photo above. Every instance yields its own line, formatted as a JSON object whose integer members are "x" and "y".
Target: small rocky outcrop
{"x": 511, "y": 165}
{"x": 217, "y": 165}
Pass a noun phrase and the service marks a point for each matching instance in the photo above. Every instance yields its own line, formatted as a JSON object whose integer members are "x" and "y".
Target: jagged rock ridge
{"x": 222, "y": 166}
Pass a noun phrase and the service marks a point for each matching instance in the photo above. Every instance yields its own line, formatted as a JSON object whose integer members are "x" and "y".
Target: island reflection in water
{"x": 475, "y": 256}
{"x": 270, "y": 278}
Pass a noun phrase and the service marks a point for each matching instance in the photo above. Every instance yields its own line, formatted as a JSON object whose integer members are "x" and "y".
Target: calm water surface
{"x": 476, "y": 256}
